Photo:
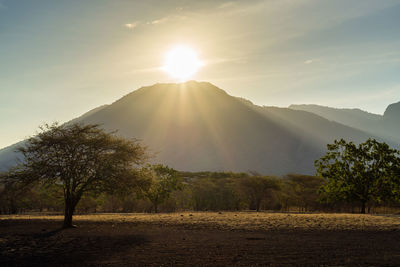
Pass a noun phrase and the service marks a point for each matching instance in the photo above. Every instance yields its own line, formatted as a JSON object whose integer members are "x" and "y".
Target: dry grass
{"x": 239, "y": 220}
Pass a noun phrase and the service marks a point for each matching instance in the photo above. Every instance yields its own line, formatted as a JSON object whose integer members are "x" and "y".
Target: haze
{"x": 59, "y": 59}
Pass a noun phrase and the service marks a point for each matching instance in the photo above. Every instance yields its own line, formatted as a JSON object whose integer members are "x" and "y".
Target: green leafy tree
{"x": 81, "y": 158}
{"x": 12, "y": 196}
{"x": 396, "y": 180}
{"x": 302, "y": 190}
{"x": 163, "y": 181}
{"x": 209, "y": 193}
{"x": 359, "y": 173}
{"x": 258, "y": 188}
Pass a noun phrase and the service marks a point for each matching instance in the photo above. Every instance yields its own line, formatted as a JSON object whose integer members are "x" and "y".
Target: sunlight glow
{"x": 181, "y": 62}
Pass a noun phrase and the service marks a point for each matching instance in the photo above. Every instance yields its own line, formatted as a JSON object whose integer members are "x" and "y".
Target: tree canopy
{"x": 81, "y": 158}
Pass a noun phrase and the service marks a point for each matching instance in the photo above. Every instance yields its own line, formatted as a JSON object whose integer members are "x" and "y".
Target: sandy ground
{"x": 214, "y": 239}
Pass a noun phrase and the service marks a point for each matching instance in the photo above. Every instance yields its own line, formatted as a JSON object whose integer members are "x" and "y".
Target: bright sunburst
{"x": 181, "y": 62}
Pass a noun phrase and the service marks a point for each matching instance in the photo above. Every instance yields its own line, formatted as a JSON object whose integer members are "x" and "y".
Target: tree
{"x": 359, "y": 173}
{"x": 258, "y": 188}
{"x": 211, "y": 193}
{"x": 302, "y": 190}
{"x": 163, "y": 181}
{"x": 11, "y": 196}
{"x": 81, "y": 158}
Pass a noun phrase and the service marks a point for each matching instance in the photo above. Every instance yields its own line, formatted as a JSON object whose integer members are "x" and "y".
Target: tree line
{"x": 81, "y": 168}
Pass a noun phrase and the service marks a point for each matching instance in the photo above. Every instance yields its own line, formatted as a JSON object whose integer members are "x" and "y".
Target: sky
{"x": 59, "y": 59}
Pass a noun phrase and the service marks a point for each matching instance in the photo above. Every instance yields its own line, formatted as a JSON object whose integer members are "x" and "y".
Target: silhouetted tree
{"x": 81, "y": 158}
{"x": 360, "y": 173}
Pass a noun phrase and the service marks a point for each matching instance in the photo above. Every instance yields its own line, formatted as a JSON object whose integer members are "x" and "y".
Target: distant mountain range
{"x": 386, "y": 126}
{"x": 196, "y": 126}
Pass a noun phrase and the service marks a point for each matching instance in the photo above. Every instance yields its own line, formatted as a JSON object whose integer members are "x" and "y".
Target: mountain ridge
{"x": 196, "y": 126}
{"x": 386, "y": 125}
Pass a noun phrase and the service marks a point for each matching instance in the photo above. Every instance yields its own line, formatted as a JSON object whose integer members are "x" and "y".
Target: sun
{"x": 181, "y": 62}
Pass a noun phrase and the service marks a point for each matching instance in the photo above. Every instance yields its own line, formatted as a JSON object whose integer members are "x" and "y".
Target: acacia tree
{"x": 163, "y": 181}
{"x": 81, "y": 158}
{"x": 359, "y": 173}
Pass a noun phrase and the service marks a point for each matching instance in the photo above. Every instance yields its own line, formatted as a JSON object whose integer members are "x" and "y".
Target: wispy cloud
{"x": 226, "y": 5}
{"x": 131, "y": 25}
{"x": 166, "y": 19}
{"x": 312, "y": 61}
{"x": 158, "y": 21}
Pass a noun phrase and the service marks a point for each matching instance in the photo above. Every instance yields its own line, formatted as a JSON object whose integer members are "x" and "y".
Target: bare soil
{"x": 198, "y": 239}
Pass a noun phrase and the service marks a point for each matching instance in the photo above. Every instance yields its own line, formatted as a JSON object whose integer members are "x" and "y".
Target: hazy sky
{"x": 59, "y": 59}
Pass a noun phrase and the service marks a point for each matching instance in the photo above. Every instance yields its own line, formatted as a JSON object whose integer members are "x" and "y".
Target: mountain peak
{"x": 392, "y": 112}
{"x": 192, "y": 84}
{"x": 159, "y": 91}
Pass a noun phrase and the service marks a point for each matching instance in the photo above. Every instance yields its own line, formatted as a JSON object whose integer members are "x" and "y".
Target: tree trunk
{"x": 69, "y": 212}
{"x": 155, "y": 208}
{"x": 13, "y": 207}
{"x": 363, "y": 207}
{"x": 258, "y": 205}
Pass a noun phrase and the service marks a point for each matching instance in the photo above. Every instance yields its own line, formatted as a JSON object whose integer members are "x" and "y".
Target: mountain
{"x": 391, "y": 121}
{"x": 392, "y": 113}
{"x": 87, "y": 114}
{"x": 356, "y": 118}
{"x": 386, "y": 126}
{"x": 9, "y": 157}
{"x": 196, "y": 126}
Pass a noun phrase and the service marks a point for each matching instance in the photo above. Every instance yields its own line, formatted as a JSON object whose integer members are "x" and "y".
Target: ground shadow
{"x": 45, "y": 244}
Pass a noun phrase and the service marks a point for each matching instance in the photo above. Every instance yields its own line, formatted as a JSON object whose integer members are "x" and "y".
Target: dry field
{"x": 255, "y": 221}
{"x": 202, "y": 238}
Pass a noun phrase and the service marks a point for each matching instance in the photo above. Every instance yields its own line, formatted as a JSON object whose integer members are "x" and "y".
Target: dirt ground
{"x": 198, "y": 239}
